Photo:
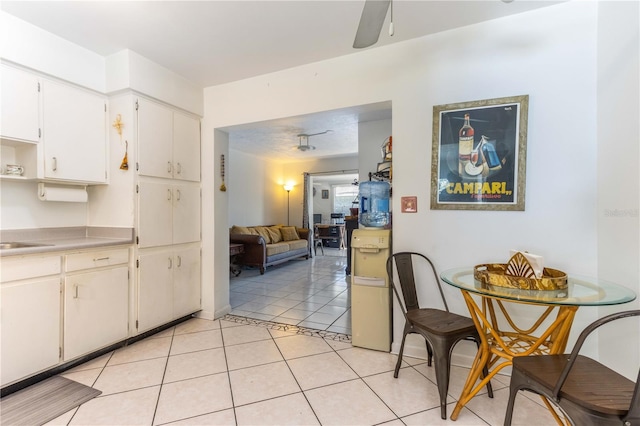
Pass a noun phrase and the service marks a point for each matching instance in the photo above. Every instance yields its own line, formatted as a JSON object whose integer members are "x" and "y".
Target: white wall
{"x": 256, "y": 193}
{"x": 32, "y": 47}
{"x": 618, "y": 203}
{"x": 371, "y": 136}
{"x": 20, "y": 208}
{"x": 293, "y": 173}
{"x": 129, "y": 70}
{"x": 549, "y": 54}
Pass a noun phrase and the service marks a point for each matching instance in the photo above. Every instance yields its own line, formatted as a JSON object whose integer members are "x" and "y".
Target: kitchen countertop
{"x": 61, "y": 239}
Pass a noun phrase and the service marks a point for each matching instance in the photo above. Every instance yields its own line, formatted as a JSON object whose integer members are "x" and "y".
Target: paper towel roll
{"x": 67, "y": 194}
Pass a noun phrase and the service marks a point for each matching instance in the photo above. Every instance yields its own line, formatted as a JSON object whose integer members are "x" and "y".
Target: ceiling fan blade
{"x": 371, "y": 21}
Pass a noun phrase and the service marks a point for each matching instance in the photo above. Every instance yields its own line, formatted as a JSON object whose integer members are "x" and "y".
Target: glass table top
{"x": 581, "y": 290}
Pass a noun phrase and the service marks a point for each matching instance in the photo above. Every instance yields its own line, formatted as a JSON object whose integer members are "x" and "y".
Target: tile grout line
{"x": 155, "y": 411}
{"x": 226, "y": 362}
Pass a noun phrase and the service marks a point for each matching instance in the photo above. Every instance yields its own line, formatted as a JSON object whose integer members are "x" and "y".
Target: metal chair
{"x": 588, "y": 392}
{"x": 440, "y": 328}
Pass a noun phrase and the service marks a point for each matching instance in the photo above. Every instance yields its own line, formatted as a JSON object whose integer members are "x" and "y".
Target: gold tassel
{"x": 125, "y": 162}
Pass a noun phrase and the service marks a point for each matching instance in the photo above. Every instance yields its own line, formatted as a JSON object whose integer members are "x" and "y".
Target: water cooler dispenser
{"x": 370, "y": 290}
{"x": 374, "y": 204}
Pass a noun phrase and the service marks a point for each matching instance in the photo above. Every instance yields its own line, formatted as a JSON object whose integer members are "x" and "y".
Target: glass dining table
{"x": 502, "y": 338}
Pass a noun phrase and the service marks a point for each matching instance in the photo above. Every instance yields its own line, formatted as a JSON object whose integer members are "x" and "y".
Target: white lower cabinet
{"x": 58, "y": 307}
{"x": 30, "y": 327}
{"x": 168, "y": 285}
{"x": 96, "y": 310}
{"x": 96, "y": 300}
{"x": 186, "y": 282}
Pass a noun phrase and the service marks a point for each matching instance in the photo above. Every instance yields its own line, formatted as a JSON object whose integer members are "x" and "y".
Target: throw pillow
{"x": 289, "y": 233}
{"x": 239, "y": 230}
{"x": 274, "y": 233}
{"x": 264, "y": 233}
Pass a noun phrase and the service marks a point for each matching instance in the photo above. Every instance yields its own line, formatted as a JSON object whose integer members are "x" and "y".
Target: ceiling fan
{"x": 306, "y": 147}
{"x": 371, "y": 21}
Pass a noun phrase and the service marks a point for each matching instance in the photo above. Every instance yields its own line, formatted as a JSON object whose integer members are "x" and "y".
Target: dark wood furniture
{"x": 441, "y": 329}
{"x": 587, "y": 391}
{"x": 332, "y": 235}
{"x": 234, "y": 251}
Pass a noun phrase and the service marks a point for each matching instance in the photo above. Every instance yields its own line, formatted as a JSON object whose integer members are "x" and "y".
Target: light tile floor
{"x": 311, "y": 293}
{"x": 238, "y": 371}
{"x": 227, "y": 372}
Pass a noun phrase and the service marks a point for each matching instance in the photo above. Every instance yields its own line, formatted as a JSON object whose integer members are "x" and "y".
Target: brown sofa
{"x": 270, "y": 245}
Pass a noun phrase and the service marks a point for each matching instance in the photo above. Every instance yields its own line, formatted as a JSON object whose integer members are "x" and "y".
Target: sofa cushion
{"x": 240, "y": 230}
{"x": 277, "y": 248}
{"x": 289, "y": 233}
{"x": 263, "y": 231}
{"x": 297, "y": 244}
{"x": 274, "y": 233}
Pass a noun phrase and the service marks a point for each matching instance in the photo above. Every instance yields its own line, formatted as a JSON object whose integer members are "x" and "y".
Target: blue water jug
{"x": 374, "y": 204}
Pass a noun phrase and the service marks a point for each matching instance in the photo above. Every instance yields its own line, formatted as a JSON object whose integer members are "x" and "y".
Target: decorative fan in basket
{"x": 519, "y": 273}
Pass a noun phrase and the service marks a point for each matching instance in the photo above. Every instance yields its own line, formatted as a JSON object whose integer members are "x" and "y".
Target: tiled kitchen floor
{"x": 224, "y": 372}
{"x": 236, "y": 371}
{"x": 309, "y": 293}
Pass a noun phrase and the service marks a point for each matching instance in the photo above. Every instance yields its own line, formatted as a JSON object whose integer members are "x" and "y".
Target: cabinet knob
{"x": 179, "y": 261}
{"x": 169, "y": 167}
{"x": 179, "y": 168}
{"x": 75, "y": 296}
{"x": 168, "y": 195}
{"x": 178, "y": 195}
{"x": 54, "y": 164}
{"x": 170, "y": 263}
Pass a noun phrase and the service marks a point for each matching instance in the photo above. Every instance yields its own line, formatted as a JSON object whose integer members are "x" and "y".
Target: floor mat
{"x": 44, "y": 401}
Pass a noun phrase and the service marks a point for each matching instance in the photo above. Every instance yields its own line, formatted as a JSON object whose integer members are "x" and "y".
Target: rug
{"x": 44, "y": 401}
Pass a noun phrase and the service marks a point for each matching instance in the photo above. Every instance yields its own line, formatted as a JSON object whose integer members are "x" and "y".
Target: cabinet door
{"x": 19, "y": 105}
{"x": 30, "y": 327}
{"x": 186, "y": 282}
{"x": 186, "y": 213}
{"x": 154, "y": 214}
{"x": 74, "y": 134}
{"x": 96, "y": 310}
{"x": 186, "y": 147}
{"x": 155, "y": 139}
{"x": 155, "y": 289}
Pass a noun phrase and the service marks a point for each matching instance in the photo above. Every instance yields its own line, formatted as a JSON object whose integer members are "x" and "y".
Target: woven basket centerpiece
{"x": 519, "y": 273}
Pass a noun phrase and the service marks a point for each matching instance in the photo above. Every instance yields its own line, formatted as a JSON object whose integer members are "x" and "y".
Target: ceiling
{"x": 215, "y": 42}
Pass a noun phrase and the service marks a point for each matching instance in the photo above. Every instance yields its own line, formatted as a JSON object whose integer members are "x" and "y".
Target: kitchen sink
{"x": 17, "y": 244}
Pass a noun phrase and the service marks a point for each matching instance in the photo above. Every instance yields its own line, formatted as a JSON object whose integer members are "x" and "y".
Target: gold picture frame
{"x": 478, "y": 155}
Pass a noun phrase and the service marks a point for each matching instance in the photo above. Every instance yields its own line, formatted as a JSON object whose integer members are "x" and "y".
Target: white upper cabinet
{"x": 168, "y": 143}
{"x": 74, "y": 134}
{"x": 168, "y": 214}
{"x": 186, "y": 213}
{"x": 19, "y": 106}
{"x": 155, "y": 212}
{"x": 186, "y": 147}
{"x": 155, "y": 139}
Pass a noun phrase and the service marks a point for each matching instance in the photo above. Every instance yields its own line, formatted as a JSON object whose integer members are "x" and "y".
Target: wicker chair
{"x": 585, "y": 390}
{"x": 440, "y": 328}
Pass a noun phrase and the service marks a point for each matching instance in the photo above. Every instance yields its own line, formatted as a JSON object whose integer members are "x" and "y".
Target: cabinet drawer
{"x": 24, "y": 267}
{"x": 96, "y": 259}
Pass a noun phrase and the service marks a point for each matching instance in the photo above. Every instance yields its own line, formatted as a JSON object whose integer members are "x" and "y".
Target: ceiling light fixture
{"x": 306, "y": 136}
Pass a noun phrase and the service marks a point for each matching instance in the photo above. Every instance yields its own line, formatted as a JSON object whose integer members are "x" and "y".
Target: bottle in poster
{"x": 465, "y": 144}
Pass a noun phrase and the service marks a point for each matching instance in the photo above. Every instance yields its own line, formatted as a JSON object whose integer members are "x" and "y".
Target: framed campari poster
{"x": 478, "y": 159}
